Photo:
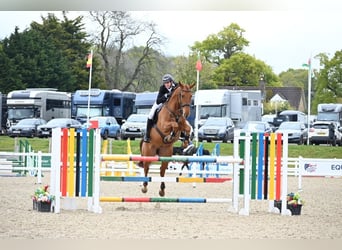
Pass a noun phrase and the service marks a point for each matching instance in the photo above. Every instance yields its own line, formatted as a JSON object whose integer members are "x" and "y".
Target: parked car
{"x": 319, "y": 133}
{"x": 256, "y": 127}
{"x": 297, "y": 131}
{"x": 26, "y": 127}
{"x": 217, "y": 128}
{"x": 134, "y": 126}
{"x": 46, "y": 130}
{"x": 109, "y": 126}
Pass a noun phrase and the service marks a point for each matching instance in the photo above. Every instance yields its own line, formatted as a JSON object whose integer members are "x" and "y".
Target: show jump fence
{"x": 259, "y": 170}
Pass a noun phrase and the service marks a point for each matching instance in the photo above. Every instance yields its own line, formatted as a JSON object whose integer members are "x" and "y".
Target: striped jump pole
{"x": 166, "y": 199}
{"x": 179, "y": 158}
{"x": 179, "y": 179}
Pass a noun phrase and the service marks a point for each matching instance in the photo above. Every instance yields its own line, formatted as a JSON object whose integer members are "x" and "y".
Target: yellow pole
{"x": 130, "y": 164}
{"x": 272, "y": 158}
{"x": 104, "y": 151}
{"x": 71, "y": 173}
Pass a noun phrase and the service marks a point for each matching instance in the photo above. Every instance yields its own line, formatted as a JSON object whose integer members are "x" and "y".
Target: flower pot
{"x": 44, "y": 206}
{"x": 294, "y": 208}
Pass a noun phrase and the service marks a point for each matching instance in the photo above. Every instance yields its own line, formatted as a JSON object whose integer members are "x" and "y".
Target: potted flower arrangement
{"x": 294, "y": 203}
{"x": 42, "y": 199}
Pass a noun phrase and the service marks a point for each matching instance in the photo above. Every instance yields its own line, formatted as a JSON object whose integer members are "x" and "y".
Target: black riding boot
{"x": 148, "y": 130}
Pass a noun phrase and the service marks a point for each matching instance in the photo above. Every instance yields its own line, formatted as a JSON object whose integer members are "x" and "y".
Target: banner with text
{"x": 320, "y": 167}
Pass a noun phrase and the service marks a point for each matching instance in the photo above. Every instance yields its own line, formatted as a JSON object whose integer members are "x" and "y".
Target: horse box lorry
{"x": 330, "y": 112}
{"x": 239, "y": 105}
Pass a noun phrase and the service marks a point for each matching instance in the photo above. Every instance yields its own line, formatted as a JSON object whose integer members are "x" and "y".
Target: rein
{"x": 178, "y": 113}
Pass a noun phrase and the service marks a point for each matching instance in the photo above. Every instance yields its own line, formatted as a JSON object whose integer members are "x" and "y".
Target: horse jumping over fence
{"x": 171, "y": 121}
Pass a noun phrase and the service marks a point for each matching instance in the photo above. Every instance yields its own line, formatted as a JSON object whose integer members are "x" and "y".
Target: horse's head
{"x": 182, "y": 96}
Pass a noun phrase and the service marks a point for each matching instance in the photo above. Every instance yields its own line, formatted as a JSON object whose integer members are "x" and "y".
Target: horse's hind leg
{"x": 145, "y": 183}
{"x": 163, "y": 168}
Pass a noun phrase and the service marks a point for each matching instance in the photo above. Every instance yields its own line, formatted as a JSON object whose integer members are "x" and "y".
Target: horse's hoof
{"x": 144, "y": 190}
{"x": 161, "y": 193}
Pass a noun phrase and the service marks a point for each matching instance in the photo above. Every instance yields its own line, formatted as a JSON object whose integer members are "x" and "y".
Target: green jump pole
{"x": 91, "y": 163}
{"x": 242, "y": 145}
{"x": 254, "y": 161}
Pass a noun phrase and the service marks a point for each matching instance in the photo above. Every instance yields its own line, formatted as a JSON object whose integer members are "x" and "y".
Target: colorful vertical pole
{"x": 103, "y": 164}
{"x": 278, "y": 166}
{"x": 84, "y": 150}
{"x": 91, "y": 162}
{"x": 242, "y": 156}
{"x": 71, "y": 173}
{"x": 272, "y": 168}
{"x": 266, "y": 166}
{"x": 130, "y": 163}
{"x": 260, "y": 164}
{"x": 254, "y": 159}
{"x": 64, "y": 169}
{"x": 78, "y": 158}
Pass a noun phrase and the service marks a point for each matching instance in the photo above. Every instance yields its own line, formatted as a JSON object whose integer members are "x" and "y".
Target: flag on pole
{"x": 90, "y": 60}
{"x": 198, "y": 65}
{"x": 307, "y": 64}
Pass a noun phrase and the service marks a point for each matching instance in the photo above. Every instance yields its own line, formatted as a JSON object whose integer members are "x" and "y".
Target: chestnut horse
{"x": 171, "y": 121}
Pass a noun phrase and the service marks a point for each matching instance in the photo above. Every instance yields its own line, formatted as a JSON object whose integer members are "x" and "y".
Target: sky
{"x": 283, "y": 39}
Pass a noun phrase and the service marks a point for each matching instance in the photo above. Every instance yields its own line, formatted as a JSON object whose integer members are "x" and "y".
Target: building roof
{"x": 294, "y": 95}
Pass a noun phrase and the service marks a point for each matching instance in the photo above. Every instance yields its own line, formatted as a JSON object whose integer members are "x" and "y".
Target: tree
{"x": 218, "y": 48}
{"x": 51, "y": 54}
{"x": 70, "y": 39}
{"x": 149, "y": 73}
{"x": 35, "y": 61}
{"x": 329, "y": 82}
{"x": 294, "y": 78}
{"x": 229, "y": 64}
{"x": 117, "y": 30}
{"x": 243, "y": 70}
{"x": 185, "y": 70}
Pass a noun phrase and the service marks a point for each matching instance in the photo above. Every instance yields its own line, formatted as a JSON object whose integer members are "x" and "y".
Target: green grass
{"x": 7, "y": 144}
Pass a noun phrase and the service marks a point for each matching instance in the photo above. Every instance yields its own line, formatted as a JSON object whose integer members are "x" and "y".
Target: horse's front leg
{"x": 163, "y": 168}
{"x": 145, "y": 183}
{"x": 170, "y": 126}
{"x": 187, "y": 135}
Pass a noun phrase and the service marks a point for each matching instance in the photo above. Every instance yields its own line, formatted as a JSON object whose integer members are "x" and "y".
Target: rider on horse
{"x": 165, "y": 91}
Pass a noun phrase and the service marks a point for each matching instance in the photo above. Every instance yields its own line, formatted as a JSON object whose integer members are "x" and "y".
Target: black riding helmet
{"x": 167, "y": 78}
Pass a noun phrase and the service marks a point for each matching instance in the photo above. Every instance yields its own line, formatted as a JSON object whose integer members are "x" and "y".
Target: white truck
{"x": 330, "y": 112}
{"x": 239, "y": 105}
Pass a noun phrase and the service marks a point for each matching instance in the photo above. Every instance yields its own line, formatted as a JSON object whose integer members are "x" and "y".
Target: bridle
{"x": 178, "y": 113}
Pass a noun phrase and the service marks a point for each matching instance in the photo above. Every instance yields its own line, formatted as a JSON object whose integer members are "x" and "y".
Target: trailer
{"x": 239, "y": 105}
{"x": 119, "y": 104}
{"x": 45, "y": 103}
{"x": 330, "y": 112}
{"x": 144, "y": 101}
